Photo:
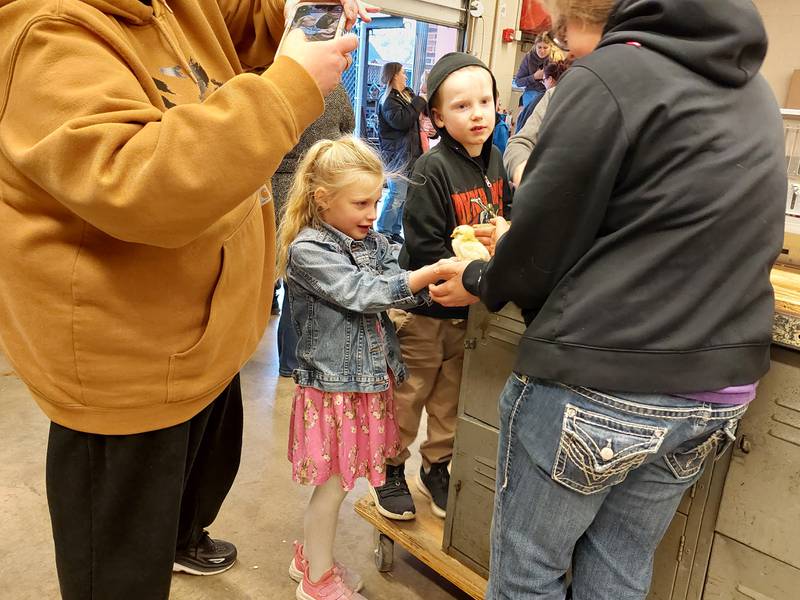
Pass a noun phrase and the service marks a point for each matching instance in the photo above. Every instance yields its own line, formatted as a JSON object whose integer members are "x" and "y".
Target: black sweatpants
{"x": 120, "y": 505}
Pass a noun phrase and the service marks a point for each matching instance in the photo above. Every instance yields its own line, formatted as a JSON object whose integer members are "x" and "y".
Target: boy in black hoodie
{"x": 461, "y": 181}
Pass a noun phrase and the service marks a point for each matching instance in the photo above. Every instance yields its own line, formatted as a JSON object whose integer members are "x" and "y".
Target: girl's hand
{"x": 451, "y": 292}
{"x": 425, "y": 276}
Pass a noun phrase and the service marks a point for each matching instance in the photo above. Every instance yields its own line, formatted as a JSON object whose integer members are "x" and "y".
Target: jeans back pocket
{"x": 687, "y": 460}
{"x": 596, "y": 451}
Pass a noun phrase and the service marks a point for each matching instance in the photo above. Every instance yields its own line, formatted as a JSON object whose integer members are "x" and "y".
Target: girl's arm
{"x": 330, "y": 275}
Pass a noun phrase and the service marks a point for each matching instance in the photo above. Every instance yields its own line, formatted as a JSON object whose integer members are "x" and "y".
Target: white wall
{"x": 782, "y": 20}
{"x": 485, "y": 41}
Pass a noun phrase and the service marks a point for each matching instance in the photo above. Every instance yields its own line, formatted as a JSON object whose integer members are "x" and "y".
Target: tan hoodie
{"x": 136, "y": 259}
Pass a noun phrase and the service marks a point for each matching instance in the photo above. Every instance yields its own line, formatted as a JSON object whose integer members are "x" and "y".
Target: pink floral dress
{"x": 350, "y": 434}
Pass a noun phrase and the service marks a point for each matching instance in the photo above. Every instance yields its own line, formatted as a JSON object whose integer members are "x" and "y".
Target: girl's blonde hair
{"x": 330, "y": 165}
{"x": 591, "y": 12}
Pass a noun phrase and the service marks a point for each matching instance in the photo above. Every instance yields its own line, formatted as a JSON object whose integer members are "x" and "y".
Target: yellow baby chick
{"x": 466, "y": 245}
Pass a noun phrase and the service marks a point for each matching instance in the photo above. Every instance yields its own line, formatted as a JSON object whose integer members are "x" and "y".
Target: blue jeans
{"x": 591, "y": 480}
{"x": 391, "y": 220}
{"x": 530, "y": 95}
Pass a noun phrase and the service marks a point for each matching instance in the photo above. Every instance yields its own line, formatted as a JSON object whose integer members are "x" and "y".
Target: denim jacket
{"x": 339, "y": 290}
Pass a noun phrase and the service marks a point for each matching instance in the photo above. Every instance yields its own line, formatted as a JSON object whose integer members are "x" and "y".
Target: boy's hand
{"x": 485, "y": 234}
{"x": 324, "y": 61}
{"x": 490, "y": 234}
{"x": 501, "y": 227}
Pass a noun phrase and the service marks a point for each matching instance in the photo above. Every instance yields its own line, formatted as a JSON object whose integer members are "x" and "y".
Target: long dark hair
{"x": 388, "y": 73}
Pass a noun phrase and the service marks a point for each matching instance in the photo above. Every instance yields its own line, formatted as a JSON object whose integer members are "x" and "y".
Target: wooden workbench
{"x": 786, "y": 282}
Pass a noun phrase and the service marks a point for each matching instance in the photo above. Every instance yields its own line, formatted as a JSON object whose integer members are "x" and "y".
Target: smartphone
{"x": 319, "y": 21}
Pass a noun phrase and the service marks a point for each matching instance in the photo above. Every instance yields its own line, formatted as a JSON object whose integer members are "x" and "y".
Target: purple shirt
{"x": 737, "y": 394}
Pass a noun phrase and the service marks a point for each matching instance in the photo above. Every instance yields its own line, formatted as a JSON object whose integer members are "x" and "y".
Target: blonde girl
{"x": 342, "y": 277}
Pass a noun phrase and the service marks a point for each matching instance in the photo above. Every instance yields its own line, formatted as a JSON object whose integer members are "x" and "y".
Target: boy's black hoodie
{"x": 443, "y": 184}
{"x": 652, "y": 208}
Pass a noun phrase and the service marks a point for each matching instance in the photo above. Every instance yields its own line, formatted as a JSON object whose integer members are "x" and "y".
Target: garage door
{"x": 442, "y": 12}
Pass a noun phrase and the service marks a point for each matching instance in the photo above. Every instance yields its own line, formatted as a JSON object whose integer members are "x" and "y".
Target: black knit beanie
{"x": 450, "y": 63}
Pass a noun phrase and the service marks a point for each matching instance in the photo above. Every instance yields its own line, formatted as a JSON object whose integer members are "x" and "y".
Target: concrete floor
{"x": 262, "y": 514}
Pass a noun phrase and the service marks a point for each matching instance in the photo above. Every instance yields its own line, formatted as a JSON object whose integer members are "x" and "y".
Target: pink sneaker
{"x": 329, "y": 587}
{"x": 298, "y": 566}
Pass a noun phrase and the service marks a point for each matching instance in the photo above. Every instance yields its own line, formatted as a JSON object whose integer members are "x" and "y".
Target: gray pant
{"x": 591, "y": 480}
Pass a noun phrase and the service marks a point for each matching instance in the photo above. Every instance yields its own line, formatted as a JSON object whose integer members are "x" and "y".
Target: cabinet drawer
{"x": 471, "y": 498}
{"x": 738, "y": 572}
{"x": 491, "y": 350}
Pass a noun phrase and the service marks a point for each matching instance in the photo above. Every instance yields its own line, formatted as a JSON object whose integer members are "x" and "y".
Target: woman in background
{"x": 398, "y": 129}
{"x": 531, "y": 70}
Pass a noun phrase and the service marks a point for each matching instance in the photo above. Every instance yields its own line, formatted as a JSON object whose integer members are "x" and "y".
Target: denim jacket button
{"x": 606, "y": 453}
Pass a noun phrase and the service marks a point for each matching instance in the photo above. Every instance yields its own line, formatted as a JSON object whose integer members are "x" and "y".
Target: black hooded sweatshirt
{"x": 447, "y": 189}
{"x": 652, "y": 209}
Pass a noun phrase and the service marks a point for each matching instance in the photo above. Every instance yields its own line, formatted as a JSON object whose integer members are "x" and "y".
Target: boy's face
{"x": 465, "y": 107}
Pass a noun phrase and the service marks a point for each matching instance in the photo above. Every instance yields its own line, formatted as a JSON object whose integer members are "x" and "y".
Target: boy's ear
{"x": 436, "y": 116}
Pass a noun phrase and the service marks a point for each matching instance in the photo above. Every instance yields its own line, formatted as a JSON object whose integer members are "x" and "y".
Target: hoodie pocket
{"x": 232, "y": 330}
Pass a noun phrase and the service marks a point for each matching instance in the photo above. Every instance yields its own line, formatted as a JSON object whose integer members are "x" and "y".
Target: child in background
{"x": 461, "y": 181}
{"x": 341, "y": 276}
{"x": 428, "y": 136}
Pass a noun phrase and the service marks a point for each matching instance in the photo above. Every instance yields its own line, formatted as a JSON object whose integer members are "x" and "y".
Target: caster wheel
{"x": 384, "y": 552}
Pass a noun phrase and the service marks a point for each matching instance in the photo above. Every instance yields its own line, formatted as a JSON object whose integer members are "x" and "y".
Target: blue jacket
{"x": 339, "y": 290}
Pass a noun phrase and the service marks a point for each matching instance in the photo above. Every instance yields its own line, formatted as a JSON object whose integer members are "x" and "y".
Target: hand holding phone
{"x": 324, "y": 61}
{"x": 319, "y": 21}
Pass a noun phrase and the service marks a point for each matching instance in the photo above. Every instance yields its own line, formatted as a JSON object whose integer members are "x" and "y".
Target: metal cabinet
{"x": 756, "y": 552}
{"x": 759, "y": 500}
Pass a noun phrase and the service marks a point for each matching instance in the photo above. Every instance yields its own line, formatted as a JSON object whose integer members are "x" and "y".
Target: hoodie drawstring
{"x": 173, "y": 44}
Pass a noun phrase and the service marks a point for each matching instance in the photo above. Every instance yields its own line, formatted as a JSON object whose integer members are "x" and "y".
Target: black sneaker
{"x": 208, "y": 557}
{"x": 393, "y": 499}
{"x": 434, "y": 484}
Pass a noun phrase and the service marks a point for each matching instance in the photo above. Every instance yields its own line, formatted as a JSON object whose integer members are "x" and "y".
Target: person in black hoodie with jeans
{"x": 645, "y": 227}
{"x": 461, "y": 181}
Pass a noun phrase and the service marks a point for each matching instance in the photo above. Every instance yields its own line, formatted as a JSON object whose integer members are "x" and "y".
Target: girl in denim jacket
{"x": 342, "y": 278}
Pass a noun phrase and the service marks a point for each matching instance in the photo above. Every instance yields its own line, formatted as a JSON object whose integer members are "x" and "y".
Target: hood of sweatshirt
{"x": 134, "y": 11}
{"x": 722, "y": 40}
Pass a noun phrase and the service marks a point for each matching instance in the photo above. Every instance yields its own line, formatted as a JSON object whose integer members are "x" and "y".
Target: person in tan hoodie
{"x": 137, "y": 258}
